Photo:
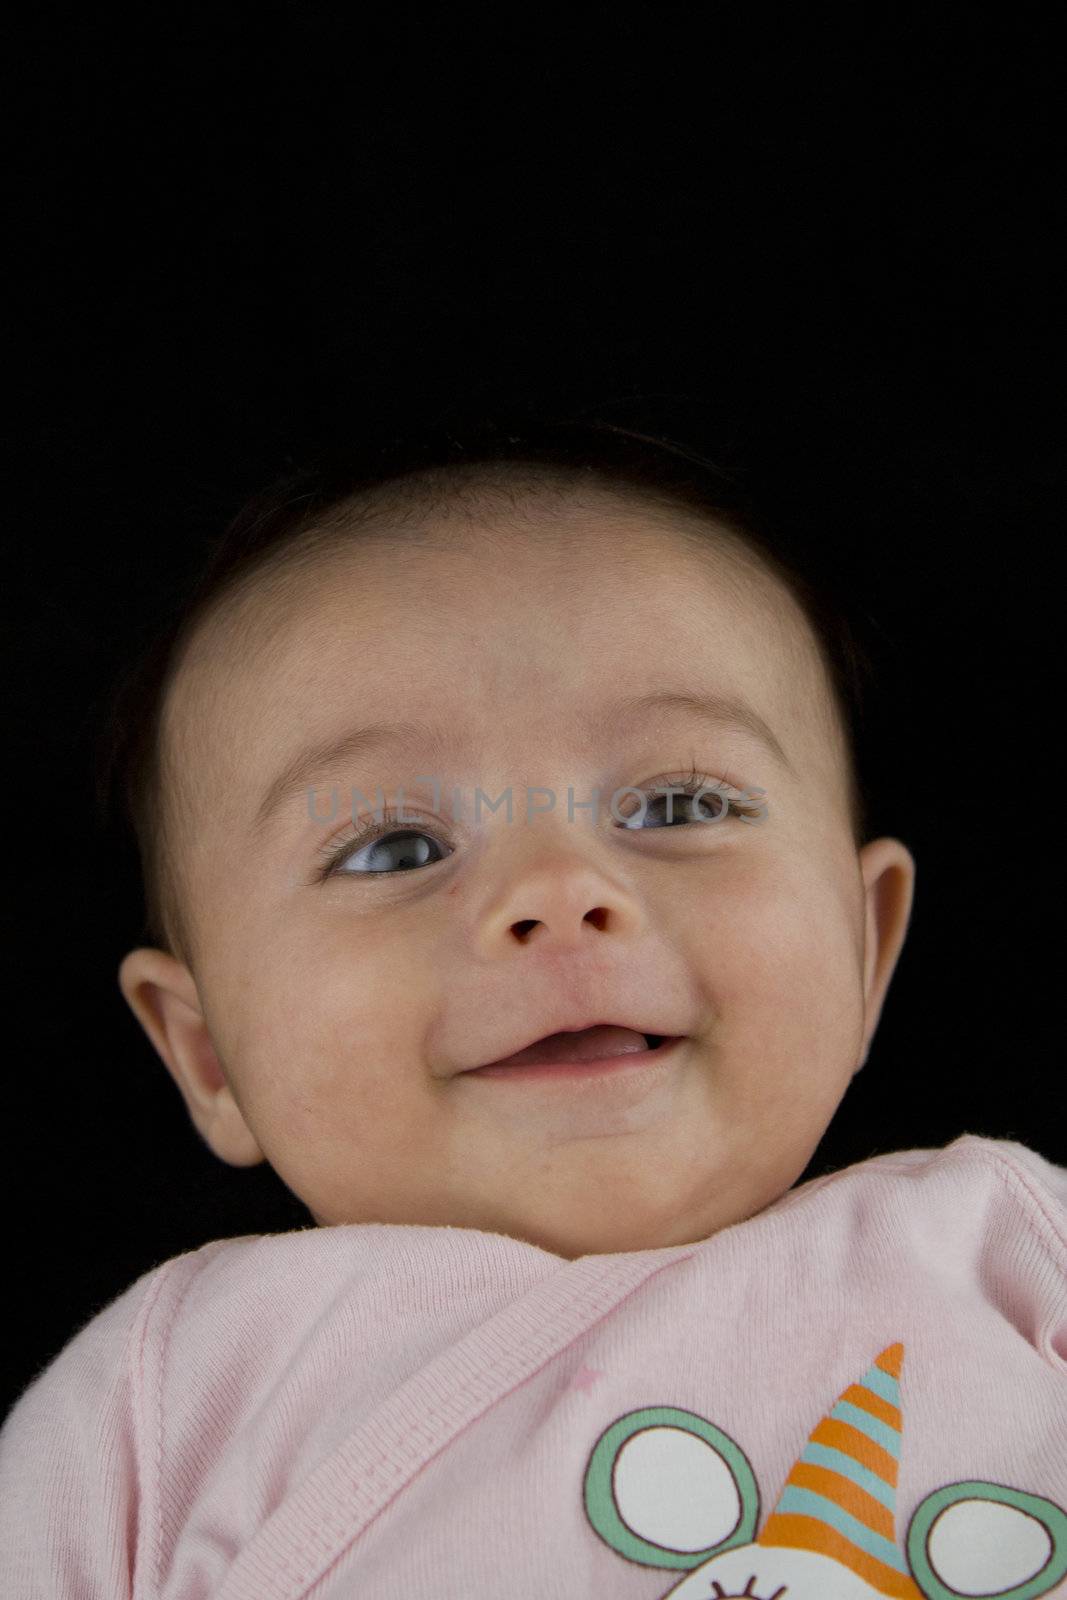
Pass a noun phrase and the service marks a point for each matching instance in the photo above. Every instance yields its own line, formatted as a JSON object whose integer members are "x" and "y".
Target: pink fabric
{"x": 860, "y": 1391}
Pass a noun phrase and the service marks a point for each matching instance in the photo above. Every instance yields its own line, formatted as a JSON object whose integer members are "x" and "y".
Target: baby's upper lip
{"x": 573, "y": 1024}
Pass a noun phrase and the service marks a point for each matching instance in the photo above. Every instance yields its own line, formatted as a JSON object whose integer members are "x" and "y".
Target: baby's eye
{"x": 391, "y": 852}
{"x": 695, "y": 799}
{"x": 685, "y": 808}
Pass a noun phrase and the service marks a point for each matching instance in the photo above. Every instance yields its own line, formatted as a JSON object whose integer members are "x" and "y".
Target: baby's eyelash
{"x": 691, "y": 782}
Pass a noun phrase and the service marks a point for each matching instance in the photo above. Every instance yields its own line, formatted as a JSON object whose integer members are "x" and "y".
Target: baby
{"x": 328, "y": 981}
{"x": 508, "y": 892}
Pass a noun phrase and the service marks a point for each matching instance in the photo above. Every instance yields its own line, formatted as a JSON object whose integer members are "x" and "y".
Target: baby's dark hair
{"x": 337, "y": 495}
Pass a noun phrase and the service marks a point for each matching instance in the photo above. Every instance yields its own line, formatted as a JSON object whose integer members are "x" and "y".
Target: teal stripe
{"x": 883, "y": 1384}
{"x": 806, "y": 1503}
{"x": 881, "y": 1432}
{"x": 824, "y": 1455}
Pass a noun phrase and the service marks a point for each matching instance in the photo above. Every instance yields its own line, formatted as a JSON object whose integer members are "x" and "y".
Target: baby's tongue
{"x": 590, "y": 1044}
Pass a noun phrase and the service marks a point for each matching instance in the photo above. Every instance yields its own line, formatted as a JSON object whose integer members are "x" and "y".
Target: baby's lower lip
{"x": 550, "y": 1071}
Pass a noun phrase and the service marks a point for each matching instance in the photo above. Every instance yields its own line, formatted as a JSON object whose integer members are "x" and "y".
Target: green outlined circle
{"x": 603, "y": 1513}
{"x": 1046, "y": 1512}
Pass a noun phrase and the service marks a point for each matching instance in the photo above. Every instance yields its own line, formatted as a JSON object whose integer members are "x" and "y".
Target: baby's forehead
{"x": 287, "y": 619}
{"x": 301, "y": 598}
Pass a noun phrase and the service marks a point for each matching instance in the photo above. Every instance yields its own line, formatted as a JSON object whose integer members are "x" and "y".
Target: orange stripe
{"x": 796, "y": 1532}
{"x": 891, "y": 1360}
{"x": 846, "y": 1494}
{"x": 873, "y": 1404}
{"x": 844, "y": 1437}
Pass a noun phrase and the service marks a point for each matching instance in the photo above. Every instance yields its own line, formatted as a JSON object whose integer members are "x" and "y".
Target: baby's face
{"x": 331, "y": 1019}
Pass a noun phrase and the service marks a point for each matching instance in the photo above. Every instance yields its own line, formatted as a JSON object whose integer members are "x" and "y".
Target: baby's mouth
{"x": 585, "y": 1044}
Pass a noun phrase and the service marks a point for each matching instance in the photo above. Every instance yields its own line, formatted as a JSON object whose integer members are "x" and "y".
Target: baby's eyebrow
{"x": 721, "y": 710}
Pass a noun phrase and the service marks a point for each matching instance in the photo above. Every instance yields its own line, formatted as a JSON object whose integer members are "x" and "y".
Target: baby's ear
{"x": 162, "y": 994}
{"x": 888, "y": 870}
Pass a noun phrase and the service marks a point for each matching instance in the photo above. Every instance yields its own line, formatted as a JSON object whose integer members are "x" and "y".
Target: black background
{"x": 828, "y": 242}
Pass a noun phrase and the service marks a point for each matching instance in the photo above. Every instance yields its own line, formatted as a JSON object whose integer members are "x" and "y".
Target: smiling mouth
{"x": 578, "y": 1055}
{"x": 578, "y": 1044}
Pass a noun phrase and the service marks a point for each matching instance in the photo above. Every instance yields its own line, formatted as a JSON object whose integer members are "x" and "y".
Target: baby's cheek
{"x": 787, "y": 1000}
{"x": 344, "y": 1061}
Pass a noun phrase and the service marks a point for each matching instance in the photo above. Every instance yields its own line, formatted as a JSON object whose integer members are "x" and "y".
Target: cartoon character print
{"x": 668, "y": 1489}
